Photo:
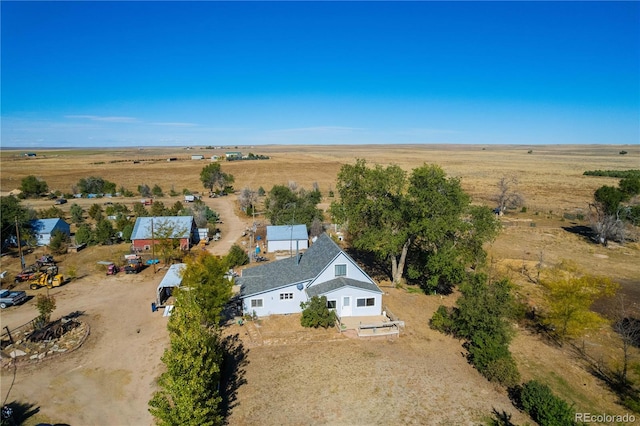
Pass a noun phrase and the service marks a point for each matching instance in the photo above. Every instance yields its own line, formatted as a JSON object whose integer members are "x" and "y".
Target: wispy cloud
{"x": 319, "y": 129}
{"x": 175, "y": 124}
{"x": 108, "y": 119}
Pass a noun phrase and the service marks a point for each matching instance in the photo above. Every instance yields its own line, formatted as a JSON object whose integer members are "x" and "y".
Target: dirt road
{"x": 110, "y": 379}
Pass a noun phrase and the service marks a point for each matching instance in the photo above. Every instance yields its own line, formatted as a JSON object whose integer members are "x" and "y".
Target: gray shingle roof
{"x": 340, "y": 282}
{"x": 288, "y": 271}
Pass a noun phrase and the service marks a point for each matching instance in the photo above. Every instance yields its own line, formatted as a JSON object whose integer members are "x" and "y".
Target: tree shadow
{"x": 233, "y": 372}
{"x": 583, "y": 231}
{"x": 21, "y": 411}
{"x": 375, "y": 268}
{"x": 500, "y": 418}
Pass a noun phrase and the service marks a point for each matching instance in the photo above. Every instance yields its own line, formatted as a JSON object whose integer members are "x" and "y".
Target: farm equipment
{"x": 45, "y": 260}
{"x": 112, "y": 268}
{"x": 26, "y": 274}
{"x": 134, "y": 264}
{"x": 50, "y": 278}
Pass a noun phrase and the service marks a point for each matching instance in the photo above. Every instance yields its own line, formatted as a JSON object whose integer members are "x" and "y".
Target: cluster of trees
{"x": 423, "y": 223}
{"x": 285, "y": 205}
{"x": 621, "y": 174}
{"x": 190, "y": 387}
{"x": 215, "y": 180}
{"x": 614, "y": 208}
{"x": 482, "y": 318}
{"x": 13, "y": 213}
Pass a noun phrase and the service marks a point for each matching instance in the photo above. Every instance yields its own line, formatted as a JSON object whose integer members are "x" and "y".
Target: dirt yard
{"x": 295, "y": 376}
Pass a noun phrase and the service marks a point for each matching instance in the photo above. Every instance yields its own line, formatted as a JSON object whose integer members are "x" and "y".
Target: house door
{"x": 346, "y": 306}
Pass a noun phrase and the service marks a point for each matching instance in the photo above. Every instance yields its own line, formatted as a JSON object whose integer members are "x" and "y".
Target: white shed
{"x": 171, "y": 280}
{"x": 287, "y": 237}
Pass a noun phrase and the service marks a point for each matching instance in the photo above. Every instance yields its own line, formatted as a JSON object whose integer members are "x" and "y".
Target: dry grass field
{"x": 297, "y": 377}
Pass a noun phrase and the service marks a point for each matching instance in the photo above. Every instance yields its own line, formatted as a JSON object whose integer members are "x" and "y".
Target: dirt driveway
{"x": 110, "y": 379}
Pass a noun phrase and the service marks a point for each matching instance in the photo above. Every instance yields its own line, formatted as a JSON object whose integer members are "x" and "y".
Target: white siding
{"x": 286, "y": 245}
{"x": 353, "y": 271}
{"x": 355, "y": 294}
{"x": 273, "y": 304}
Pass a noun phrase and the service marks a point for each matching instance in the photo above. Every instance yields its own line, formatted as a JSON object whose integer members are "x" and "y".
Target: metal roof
{"x": 287, "y": 232}
{"x": 173, "y": 277}
{"x": 46, "y": 226}
{"x": 178, "y": 226}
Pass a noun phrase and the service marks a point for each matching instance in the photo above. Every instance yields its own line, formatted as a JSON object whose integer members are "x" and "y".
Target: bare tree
{"x": 606, "y": 226}
{"x": 507, "y": 196}
{"x": 628, "y": 328}
{"x": 293, "y": 186}
{"x": 247, "y": 198}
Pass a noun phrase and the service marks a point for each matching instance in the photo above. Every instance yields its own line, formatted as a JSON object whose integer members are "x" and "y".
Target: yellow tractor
{"x": 49, "y": 278}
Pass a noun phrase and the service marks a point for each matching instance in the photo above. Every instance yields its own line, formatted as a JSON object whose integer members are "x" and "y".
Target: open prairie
{"x": 294, "y": 376}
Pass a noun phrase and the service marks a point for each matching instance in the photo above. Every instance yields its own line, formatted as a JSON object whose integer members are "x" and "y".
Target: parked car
{"x": 10, "y": 298}
{"x": 61, "y": 201}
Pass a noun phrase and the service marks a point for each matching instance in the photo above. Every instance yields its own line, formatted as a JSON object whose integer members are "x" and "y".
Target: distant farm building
{"x": 233, "y": 155}
{"x": 30, "y": 154}
{"x": 43, "y": 229}
{"x": 172, "y": 159}
{"x": 148, "y": 231}
{"x": 197, "y": 157}
{"x": 287, "y": 237}
{"x": 215, "y": 157}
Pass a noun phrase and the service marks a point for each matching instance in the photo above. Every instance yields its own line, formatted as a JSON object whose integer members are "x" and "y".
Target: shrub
{"x": 58, "y": 243}
{"x": 441, "y": 320}
{"x": 315, "y": 313}
{"x": 523, "y": 209}
{"x": 45, "y": 305}
{"x": 543, "y": 406}
{"x": 504, "y": 371}
{"x": 237, "y": 256}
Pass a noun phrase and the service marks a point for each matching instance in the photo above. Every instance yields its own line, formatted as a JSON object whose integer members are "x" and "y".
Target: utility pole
{"x": 19, "y": 244}
{"x": 153, "y": 247}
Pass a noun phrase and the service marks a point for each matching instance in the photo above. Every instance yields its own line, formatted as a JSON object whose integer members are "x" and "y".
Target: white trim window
{"x": 369, "y": 301}
{"x": 286, "y": 296}
{"x": 341, "y": 270}
{"x": 256, "y": 303}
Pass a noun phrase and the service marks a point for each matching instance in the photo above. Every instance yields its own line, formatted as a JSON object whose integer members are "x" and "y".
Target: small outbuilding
{"x": 43, "y": 229}
{"x": 151, "y": 230}
{"x": 172, "y": 279}
{"x": 197, "y": 157}
{"x": 287, "y": 237}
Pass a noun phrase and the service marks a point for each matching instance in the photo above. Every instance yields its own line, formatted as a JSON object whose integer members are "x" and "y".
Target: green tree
{"x": 188, "y": 392}
{"x": 158, "y": 209}
{"x": 167, "y": 233}
{"x": 84, "y": 234}
{"x": 610, "y": 209}
{"x": 144, "y": 190}
{"x": 139, "y": 210}
{"x": 77, "y": 214}
{"x": 204, "y": 274}
{"x": 544, "y": 407}
{"x": 237, "y": 256}
{"x": 96, "y": 185}
{"x": 316, "y": 313}
{"x": 50, "y": 213}
{"x": 12, "y": 212}
{"x": 157, "y": 191}
{"x": 59, "y": 242}
{"x": 31, "y": 186}
{"x": 46, "y": 305}
{"x": 569, "y": 295}
{"x": 212, "y": 177}
{"x": 286, "y": 206}
{"x": 104, "y": 233}
{"x": 95, "y": 212}
{"x": 481, "y": 317}
{"x": 423, "y": 224}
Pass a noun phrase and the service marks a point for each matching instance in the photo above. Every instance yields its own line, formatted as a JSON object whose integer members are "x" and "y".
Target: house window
{"x": 331, "y": 304}
{"x": 370, "y": 301}
{"x": 286, "y": 296}
{"x": 256, "y": 303}
{"x": 341, "y": 270}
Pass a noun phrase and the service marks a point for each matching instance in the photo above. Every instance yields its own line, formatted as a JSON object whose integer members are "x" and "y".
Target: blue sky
{"x": 250, "y": 73}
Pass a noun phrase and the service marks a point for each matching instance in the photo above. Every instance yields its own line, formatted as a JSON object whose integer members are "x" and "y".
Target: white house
{"x": 323, "y": 270}
{"x": 292, "y": 238}
{"x": 44, "y": 228}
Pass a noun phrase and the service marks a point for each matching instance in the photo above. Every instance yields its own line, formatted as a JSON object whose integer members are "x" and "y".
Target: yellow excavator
{"x": 49, "y": 278}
